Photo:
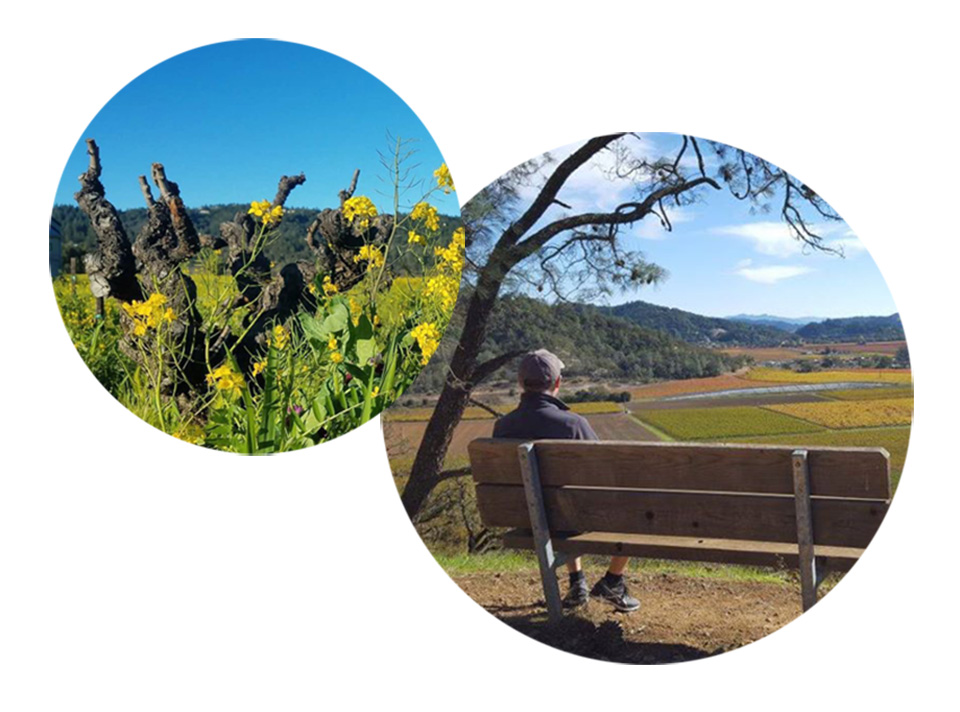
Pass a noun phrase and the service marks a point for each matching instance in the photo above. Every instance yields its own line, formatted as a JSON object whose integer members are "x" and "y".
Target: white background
{"x": 140, "y": 573}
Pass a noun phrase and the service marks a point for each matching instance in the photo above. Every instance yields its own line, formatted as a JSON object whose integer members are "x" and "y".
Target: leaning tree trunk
{"x": 462, "y": 376}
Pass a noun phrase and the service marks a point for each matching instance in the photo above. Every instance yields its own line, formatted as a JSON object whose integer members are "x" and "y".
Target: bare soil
{"x": 681, "y": 618}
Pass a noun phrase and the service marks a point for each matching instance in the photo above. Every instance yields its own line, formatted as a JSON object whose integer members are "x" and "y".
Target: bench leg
{"x": 807, "y": 559}
{"x": 542, "y": 543}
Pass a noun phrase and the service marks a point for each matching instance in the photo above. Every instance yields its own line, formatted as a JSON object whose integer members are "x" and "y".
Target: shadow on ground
{"x": 604, "y": 641}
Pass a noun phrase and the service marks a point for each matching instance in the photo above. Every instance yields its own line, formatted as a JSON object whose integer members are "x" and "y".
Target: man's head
{"x": 539, "y": 372}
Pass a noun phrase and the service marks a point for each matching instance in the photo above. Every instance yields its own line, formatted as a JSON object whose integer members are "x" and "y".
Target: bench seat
{"x": 681, "y": 548}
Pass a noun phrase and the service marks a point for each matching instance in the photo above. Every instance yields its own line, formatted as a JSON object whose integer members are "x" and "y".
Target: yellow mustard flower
{"x": 370, "y": 253}
{"x": 444, "y": 180}
{"x": 428, "y": 339}
{"x": 279, "y": 338}
{"x": 415, "y": 239}
{"x": 149, "y": 314}
{"x": 259, "y": 367}
{"x": 329, "y": 288}
{"x": 452, "y": 256}
{"x": 226, "y": 379}
{"x": 268, "y": 214}
{"x": 332, "y": 344}
{"x": 356, "y": 309}
{"x": 443, "y": 288}
{"x": 336, "y": 357}
{"x": 375, "y": 392}
{"x": 359, "y": 211}
{"x": 312, "y": 288}
{"x": 427, "y": 213}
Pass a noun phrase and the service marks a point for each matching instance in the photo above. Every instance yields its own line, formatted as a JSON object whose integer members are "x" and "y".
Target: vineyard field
{"x": 724, "y": 422}
{"x": 862, "y": 394}
{"x": 851, "y": 414}
{"x": 780, "y": 375}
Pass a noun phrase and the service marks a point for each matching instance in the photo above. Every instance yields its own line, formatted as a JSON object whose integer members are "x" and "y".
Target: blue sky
{"x": 227, "y": 120}
{"x": 722, "y": 260}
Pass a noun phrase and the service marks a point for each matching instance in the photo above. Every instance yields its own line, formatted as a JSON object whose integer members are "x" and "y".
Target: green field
{"x": 725, "y": 422}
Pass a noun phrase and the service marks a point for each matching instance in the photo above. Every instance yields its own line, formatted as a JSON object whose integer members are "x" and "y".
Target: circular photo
{"x": 256, "y": 246}
{"x": 672, "y": 408}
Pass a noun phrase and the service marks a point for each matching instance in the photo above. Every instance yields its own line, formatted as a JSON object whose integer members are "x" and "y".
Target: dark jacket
{"x": 542, "y": 416}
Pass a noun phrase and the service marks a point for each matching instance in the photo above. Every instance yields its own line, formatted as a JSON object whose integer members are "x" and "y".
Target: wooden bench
{"x": 814, "y": 509}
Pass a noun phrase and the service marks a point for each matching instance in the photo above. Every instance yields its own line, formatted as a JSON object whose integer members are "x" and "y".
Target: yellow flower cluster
{"x": 336, "y": 357}
{"x": 332, "y": 344}
{"x": 77, "y": 318}
{"x": 427, "y": 213}
{"x": 279, "y": 338}
{"x": 356, "y": 309}
{"x": 414, "y": 238}
{"x": 442, "y": 174}
{"x": 451, "y": 256}
{"x": 267, "y": 213}
{"x": 329, "y": 288}
{"x": 370, "y": 253}
{"x": 428, "y": 339}
{"x": 149, "y": 314}
{"x": 226, "y": 379}
{"x": 259, "y": 367}
{"x": 360, "y": 210}
{"x": 443, "y": 288}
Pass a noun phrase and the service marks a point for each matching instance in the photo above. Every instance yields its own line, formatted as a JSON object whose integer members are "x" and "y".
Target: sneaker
{"x": 577, "y": 596}
{"x": 616, "y": 595}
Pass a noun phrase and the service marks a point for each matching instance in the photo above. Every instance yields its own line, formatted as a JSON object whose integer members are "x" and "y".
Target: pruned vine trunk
{"x": 155, "y": 263}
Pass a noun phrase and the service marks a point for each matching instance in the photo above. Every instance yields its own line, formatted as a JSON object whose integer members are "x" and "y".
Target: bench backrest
{"x": 681, "y": 489}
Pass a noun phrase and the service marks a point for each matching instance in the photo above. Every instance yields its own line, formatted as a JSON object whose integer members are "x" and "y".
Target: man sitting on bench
{"x": 541, "y": 415}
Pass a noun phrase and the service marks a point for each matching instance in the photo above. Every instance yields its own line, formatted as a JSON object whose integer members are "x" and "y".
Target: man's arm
{"x": 584, "y": 431}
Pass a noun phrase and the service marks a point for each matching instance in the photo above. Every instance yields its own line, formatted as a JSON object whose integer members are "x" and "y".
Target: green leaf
{"x": 336, "y": 320}
{"x": 366, "y": 350}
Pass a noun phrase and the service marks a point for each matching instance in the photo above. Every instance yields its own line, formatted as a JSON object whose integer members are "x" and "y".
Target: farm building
{"x": 56, "y": 248}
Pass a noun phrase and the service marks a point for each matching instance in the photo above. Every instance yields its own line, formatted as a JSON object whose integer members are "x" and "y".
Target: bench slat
{"x": 834, "y": 472}
{"x": 760, "y": 517}
{"x": 726, "y": 551}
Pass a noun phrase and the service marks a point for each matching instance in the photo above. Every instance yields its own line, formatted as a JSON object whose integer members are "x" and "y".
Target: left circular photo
{"x": 255, "y": 246}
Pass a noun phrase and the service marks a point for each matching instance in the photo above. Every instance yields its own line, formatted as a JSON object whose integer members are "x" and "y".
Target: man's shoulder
{"x": 504, "y": 423}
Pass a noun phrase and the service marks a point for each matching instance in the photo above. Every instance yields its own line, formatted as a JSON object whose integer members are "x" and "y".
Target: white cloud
{"x": 771, "y": 274}
{"x": 849, "y": 243}
{"x": 775, "y": 238}
{"x": 651, "y": 229}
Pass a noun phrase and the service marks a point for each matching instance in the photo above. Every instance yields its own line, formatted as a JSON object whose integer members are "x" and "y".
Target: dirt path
{"x": 681, "y": 618}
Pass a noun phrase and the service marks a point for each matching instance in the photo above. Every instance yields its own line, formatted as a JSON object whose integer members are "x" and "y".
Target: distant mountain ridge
{"x": 591, "y": 342}
{"x": 786, "y": 323}
{"x": 855, "y": 328}
{"x": 699, "y": 329}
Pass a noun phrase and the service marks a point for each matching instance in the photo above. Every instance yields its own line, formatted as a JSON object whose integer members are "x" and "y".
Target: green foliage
{"x": 592, "y": 343}
{"x": 697, "y": 329}
{"x": 857, "y": 328}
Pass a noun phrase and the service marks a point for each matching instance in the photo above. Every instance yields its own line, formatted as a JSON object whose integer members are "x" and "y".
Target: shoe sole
{"x": 619, "y": 606}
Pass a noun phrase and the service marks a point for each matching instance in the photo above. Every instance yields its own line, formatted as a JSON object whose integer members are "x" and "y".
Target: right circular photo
{"x": 671, "y": 409}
